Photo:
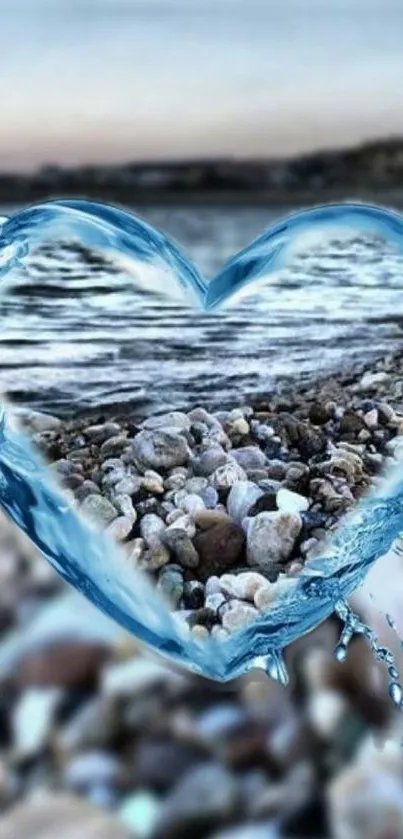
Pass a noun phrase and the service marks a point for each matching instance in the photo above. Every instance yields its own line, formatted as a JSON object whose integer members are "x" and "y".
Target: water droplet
{"x": 396, "y": 693}
{"x": 393, "y": 672}
{"x": 340, "y": 652}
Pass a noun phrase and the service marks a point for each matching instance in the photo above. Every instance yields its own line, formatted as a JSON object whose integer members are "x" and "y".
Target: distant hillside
{"x": 370, "y": 168}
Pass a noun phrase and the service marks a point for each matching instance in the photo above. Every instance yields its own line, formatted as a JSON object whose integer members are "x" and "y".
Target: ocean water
{"x": 78, "y": 334}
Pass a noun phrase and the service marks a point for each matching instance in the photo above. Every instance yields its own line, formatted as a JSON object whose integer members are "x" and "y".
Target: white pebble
{"x": 291, "y": 502}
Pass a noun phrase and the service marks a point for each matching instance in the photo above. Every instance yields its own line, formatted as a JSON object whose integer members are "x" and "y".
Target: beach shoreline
{"x": 222, "y": 510}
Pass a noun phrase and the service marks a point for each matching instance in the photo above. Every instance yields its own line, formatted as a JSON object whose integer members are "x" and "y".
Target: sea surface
{"x": 77, "y": 333}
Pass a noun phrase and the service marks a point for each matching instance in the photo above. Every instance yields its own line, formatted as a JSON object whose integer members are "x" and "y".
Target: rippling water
{"x": 77, "y": 335}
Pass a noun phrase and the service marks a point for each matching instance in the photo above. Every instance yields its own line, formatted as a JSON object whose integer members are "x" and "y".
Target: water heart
{"x": 91, "y": 562}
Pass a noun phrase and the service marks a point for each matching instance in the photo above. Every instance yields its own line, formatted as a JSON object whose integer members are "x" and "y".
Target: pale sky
{"x": 91, "y": 81}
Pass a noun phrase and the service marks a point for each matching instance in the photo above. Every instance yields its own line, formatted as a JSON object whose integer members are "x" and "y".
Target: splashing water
{"x": 92, "y": 562}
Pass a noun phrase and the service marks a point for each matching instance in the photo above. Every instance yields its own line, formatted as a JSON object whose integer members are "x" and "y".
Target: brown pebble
{"x": 219, "y": 548}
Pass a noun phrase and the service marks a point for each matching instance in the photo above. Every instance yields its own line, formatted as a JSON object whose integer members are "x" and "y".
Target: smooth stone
{"x": 63, "y": 815}
{"x": 175, "y": 482}
{"x": 264, "y": 597}
{"x": 153, "y": 482}
{"x": 120, "y": 528}
{"x": 371, "y": 419}
{"x": 38, "y": 421}
{"x": 182, "y": 547}
{"x": 114, "y": 444}
{"x": 152, "y": 527}
{"x": 33, "y": 719}
{"x": 208, "y": 461}
{"x": 171, "y": 420}
{"x": 271, "y": 538}
{"x": 124, "y": 504}
{"x": 213, "y": 585}
{"x": 238, "y": 427}
{"x": 227, "y": 475}
{"x": 101, "y": 432}
{"x": 192, "y": 504}
{"x": 183, "y": 522}
{"x": 244, "y": 585}
{"x": 241, "y": 498}
{"x": 99, "y": 510}
{"x": 208, "y": 518}
{"x": 210, "y": 497}
{"x": 197, "y": 485}
{"x": 250, "y": 458}
{"x": 91, "y": 768}
{"x": 156, "y": 557}
{"x": 370, "y": 381}
{"x": 318, "y": 414}
{"x": 239, "y": 615}
{"x": 291, "y": 502}
{"x": 160, "y": 449}
{"x": 129, "y": 485}
{"x": 219, "y": 548}
{"x": 215, "y": 602}
{"x": 64, "y": 663}
{"x": 276, "y": 469}
{"x": 86, "y": 489}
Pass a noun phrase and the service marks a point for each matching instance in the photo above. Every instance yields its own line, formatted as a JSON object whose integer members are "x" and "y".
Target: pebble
{"x": 241, "y": 498}
{"x": 291, "y": 502}
{"x": 209, "y": 460}
{"x": 192, "y": 504}
{"x": 227, "y": 475}
{"x": 92, "y": 768}
{"x": 250, "y": 458}
{"x": 160, "y": 449}
{"x": 152, "y": 527}
{"x": 101, "y": 432}
{"x": 98, "y": 510}
{"x": 370, "y": 381}
{"x": 153, "y": 482}
{"x": 371, "y": 419}
{"x": 62, "y": 815}
{"x": 219, "y": 548}
{"x": 271, "y": 538}
{"x": 171, "y": 420}
{"x": 120, "y": 527}
{"x": 239, "y": 615}
{"x": 181, "y": 547}
{"x": 113, "y": 445}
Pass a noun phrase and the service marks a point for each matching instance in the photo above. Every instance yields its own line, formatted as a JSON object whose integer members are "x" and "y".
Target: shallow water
{"x": 77, "y": 333}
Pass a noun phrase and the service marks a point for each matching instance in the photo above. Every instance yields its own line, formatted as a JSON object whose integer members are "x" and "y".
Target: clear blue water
{"x": 93, "y": 564}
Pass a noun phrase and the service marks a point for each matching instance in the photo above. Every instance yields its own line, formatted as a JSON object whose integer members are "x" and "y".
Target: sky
{"x": 107, "y": 81}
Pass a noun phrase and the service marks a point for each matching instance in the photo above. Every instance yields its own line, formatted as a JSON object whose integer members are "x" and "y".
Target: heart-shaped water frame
{"x": 92, "y": 562}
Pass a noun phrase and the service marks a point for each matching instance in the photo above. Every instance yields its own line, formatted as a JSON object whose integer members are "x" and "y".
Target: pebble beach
{"x": 223, "y": 509}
